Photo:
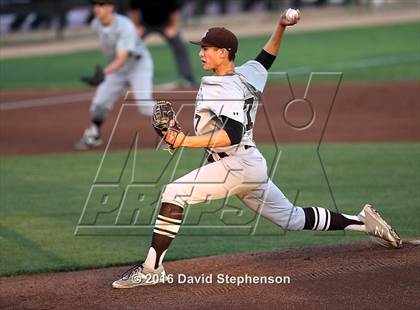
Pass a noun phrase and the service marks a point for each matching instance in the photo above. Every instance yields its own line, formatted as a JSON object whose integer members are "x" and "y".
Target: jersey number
{"x": 248, "y": 108}
{"x": 198, "y": 118}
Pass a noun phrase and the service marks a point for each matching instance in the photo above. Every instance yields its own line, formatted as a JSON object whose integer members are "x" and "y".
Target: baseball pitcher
{"x": 130, "y": 64}
{"x": 225, "y": 113}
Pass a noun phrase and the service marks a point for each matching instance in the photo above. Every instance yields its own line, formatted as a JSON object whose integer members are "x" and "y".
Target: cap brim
{"x": 201, "y": 43}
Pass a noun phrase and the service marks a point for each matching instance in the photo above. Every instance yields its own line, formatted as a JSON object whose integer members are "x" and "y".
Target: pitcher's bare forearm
{"x": 273, "y": 44}
{"x": 218, "y": 138}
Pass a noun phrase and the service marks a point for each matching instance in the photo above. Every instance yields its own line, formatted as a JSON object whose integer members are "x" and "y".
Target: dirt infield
{"x": 361, "y": 112}
{"x": 351, "y": 276}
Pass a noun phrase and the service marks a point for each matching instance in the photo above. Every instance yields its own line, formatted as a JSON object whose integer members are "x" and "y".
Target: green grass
{"x": 388, "y": 53}
{"x": 42, "y": 198}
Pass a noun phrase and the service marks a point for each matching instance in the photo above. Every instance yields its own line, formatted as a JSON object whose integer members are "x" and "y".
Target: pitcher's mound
{"x": 357, "y": 275}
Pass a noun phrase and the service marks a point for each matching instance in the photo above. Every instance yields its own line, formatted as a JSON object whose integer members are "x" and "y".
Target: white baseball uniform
{"x": 239, "y": 169}
{"x": 137, "y": 71}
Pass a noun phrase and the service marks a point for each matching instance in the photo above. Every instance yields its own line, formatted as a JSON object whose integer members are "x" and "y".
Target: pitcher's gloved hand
{"x": 173, "y": 136}
{"x": 163, "y": 113}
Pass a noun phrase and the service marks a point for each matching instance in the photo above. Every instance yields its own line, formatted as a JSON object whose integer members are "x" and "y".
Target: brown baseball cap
{"x": 219, "y": 37}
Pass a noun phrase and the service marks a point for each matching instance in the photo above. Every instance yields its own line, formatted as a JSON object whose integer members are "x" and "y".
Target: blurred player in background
{"x": 161, "y": 16}
{"x": 130, "y": 64}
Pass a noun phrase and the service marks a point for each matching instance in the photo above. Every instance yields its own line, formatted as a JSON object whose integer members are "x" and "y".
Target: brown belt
{"x": 211, "y": 159}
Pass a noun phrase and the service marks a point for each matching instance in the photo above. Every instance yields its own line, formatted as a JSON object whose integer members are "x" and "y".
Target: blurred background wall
{"x": 57, "y": 19}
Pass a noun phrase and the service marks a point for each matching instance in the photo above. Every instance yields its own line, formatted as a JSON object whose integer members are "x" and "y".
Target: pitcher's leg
{"x": 268, "y": 200}
{"x": 166, "y": 227}
{"x": 151, "y": 271}
{"x": 271, "y": 203}
{"x": 323, "y": 219}
{"x": 209, "y": 182}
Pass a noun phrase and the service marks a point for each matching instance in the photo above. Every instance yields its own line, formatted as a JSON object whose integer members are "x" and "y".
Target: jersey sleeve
{"x": 127, "y": 37}
{"x": 254, "y": 73}
{"x": 224, "y": 97}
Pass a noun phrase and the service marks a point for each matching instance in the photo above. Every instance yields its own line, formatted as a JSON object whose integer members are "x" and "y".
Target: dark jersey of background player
{"x": 161, "y": 16}
{"x": 155, "y": 13}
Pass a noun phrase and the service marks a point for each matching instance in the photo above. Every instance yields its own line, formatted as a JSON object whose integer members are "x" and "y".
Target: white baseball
{"x": 292, "y": 14}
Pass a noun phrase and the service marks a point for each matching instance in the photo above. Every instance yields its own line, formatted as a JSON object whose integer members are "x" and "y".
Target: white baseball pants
{"x": 243, "y": 174}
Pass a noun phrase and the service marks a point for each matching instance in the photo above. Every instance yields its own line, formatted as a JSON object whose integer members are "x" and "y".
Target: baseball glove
{"x": 163, "y": 118}
{"x": 97, "y": 78}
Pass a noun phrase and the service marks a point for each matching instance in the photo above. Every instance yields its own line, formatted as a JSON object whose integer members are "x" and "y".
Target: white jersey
{"x": 235, "y": 96}
{"x": 120, "y": 35}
